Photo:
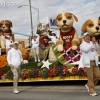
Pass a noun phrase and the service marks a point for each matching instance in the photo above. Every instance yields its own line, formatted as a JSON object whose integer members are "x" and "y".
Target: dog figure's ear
{"x": 10, "y": 23}
{"x": 55, "y": 20}
{"x": 76, "y": 19}
{"x": 99, "y": 18}
{"x": 0, "y": 24}
{"x": 47, "y": 25}
{"x": 39, "y": 24}
{"x": 84, "y": 27}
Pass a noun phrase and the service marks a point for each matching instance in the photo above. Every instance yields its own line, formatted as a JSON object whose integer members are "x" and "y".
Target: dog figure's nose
{"x": 3, "y": 27}
{"x": 97, "y": 28}
{"x": 64, "y": 21}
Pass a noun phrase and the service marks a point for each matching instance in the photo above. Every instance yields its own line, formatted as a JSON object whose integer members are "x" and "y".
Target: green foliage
{"x": 5, "y": 69}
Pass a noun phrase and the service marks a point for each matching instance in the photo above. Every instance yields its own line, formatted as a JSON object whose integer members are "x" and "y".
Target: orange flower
{"x": 3, "y": 61}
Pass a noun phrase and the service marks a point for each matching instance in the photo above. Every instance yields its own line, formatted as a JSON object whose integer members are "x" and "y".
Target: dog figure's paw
{"x": 74, "y": 47}
{"x": 51, "y": 42}
{"x": 60, "y": 47}
{"x": 59, "y": 42}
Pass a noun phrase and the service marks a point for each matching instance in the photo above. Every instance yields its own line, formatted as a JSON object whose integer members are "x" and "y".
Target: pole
{"x": 31, "y": 24}
{"x": 38, "y": 16}
{"x": 31, "y": 17}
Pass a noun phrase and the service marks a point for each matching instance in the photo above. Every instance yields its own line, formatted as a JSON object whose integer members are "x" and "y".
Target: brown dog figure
{"x": 92, "y": 26}
{"x": 68, "y": 34}
{"x": 5, "y": 26}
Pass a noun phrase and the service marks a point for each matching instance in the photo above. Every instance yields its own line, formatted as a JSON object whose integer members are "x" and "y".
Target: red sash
{"x": 44, "y": 40}
{"x": 10, "y": 34}
{"x": 67, "y": 37}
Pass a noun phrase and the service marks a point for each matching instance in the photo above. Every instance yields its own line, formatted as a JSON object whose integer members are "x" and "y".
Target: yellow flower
{"x": 70, "y": 70}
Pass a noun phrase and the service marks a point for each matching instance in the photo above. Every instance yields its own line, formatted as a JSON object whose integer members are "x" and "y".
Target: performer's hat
{"x": 16, "y": 42}
{"x": 34, "y": 35}
{"x": 86, "y": 34}
{"x": 54, "y": 32}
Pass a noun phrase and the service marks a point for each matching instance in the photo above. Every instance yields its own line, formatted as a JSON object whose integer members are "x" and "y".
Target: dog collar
{"x": 67, "y": 37}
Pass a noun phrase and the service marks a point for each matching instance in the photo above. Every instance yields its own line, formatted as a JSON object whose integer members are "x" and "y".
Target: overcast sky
{"x": 20, "y": 17}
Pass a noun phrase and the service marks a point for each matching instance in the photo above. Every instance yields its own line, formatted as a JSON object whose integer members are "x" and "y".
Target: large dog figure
{"x": 68, "y": 34}
{"x": 92, "y": 26}
{"x": 5, "y": 26}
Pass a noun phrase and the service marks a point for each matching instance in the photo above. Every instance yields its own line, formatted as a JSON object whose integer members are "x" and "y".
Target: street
{"x": 48, "y": 92}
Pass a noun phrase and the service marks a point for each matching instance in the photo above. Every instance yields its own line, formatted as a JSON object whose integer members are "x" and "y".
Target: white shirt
{"x": 53, "y": 38}
{"x": 14, "y": 57}
{"x": 89, "y": 53}
{"x": 35, "y": 44}
{"x": 93, "y": 51}
{"x": 8, "y": 43}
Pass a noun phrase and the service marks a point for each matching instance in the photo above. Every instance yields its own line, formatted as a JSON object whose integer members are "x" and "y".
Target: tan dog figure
{"x": 92, "y": 26}
{"x": 5, "y": 26}
{"x": 68, "y": 34}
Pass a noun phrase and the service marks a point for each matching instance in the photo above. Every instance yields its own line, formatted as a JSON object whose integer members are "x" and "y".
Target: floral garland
{"x": 54, "y": 71}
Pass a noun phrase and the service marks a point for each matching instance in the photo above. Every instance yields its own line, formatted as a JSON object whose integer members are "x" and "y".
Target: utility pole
{"x": 30, "y": 38}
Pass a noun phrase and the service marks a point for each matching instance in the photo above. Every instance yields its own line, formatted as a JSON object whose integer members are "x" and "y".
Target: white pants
{"x": 36, "y": 53}
{"x": 16, "y": 74}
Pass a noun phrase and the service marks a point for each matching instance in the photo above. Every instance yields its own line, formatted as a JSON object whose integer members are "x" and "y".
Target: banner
{"x": 51, "y": 22}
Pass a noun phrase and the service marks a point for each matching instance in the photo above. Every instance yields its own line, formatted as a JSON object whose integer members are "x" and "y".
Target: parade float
{"x": 60, "y": 61}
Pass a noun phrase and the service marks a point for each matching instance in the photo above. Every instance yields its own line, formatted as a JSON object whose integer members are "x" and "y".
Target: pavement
{"x": 59, "y": 92}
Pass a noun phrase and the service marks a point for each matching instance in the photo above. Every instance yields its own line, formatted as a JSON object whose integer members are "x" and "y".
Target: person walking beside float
{"x": 90, "y": 62}
{"x": 14, "y": 58}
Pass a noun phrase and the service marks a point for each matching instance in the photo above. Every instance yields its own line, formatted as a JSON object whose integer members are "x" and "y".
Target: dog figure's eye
{"x": 59, "y": 19}
{"x": 7, "y": 24}
{"x": 1, "y": 24}
{"x": 69, "y": 17}
{"x": 99, "y": 24}
{"x": 90, "y": 25}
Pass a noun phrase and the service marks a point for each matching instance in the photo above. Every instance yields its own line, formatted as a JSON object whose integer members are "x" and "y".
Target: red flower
{"x": 50, "y": 74}
{"x": 1, "y": 73}
{"x": 83, "y": 71}
{"x": 75, "y": 70}
{"x": 39, "y": 74}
